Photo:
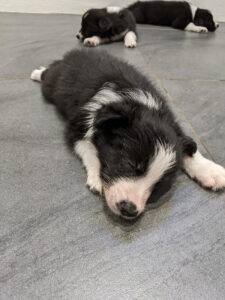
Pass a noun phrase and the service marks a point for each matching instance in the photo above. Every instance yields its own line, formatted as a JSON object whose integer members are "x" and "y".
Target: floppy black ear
{"x": 189, "y": 146}
{"x": 110, "y": 120}
{"x": 104, "y": 23}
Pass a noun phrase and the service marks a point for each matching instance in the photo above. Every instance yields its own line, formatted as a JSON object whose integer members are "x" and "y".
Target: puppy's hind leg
{"x": 36, "y": 75}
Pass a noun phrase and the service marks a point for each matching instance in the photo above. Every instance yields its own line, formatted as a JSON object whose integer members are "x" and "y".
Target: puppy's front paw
{"x": 202, "y": 29}
{"x": 209, "y": 174}
{"x": 212, "y": 176}
{"x": 92, "y": 41}
{"x": 94, "y": 184}
{"x": 130, "y": 43}
{"x": 130, "y": 40}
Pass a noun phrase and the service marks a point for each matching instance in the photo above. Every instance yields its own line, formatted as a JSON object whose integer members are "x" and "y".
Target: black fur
{"x": 176, "y": 14}
{"x": 204, "y": 17}
{"x": 126, "y": 132}
{"x": 98, "y": 22}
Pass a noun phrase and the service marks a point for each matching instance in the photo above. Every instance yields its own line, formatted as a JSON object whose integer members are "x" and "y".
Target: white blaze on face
{"x": 139, "y": 190}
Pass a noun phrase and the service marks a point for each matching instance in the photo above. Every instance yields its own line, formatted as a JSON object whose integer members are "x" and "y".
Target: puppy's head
{"x": 138, "y": 154}
{"x": 204, "y": 18}
{"x": 94, "y": 22}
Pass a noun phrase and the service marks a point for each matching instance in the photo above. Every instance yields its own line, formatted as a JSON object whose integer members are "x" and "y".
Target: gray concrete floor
{"x": 57, "y": 240}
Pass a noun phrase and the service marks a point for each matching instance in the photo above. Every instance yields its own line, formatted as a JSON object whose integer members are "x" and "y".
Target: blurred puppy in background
{"x": 177, "y": 14}
{"x": 110, "y": 24}
{"x": 106, "y": 25}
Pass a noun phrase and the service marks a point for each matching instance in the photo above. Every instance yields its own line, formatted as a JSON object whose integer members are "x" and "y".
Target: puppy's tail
{"x": 38, "y": 74}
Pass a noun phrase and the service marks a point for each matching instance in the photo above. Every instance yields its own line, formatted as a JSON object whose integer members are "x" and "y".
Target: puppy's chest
{"x": 119, "y": 36}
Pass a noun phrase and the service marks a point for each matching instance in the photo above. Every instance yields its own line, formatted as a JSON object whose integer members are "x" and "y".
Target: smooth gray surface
{"x": 203, "y": 102}
{"x": 180, "y": 55}
{"x": 57, "y": 240}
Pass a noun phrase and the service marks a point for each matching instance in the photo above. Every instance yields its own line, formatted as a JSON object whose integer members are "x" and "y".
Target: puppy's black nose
{"x": 78, "y": 36}
{"x": 127, "y": 209}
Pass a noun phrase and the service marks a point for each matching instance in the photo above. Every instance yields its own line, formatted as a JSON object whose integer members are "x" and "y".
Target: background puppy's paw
{"x": 202, "y": 29}
{"x": 94, "y": 184}
{"x": 130, "y": 44}
{"x": 92, "y": 41}
{"x": 130, "y": 40}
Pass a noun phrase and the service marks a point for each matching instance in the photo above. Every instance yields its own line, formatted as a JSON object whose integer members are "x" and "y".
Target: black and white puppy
{"x": 177, "y": 14}
{"x": 106, "y": 25}
{"x": 123, "y": 130}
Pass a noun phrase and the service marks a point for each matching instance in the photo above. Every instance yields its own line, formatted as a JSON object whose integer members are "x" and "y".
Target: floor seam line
{"x": 192, "y": 79}
{"x": 5, "y": 79}
{"x": 176, "y": 106}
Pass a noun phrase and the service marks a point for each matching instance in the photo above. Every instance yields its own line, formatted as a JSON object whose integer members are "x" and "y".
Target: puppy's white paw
{"x": 194, "y": 28}
{"x": 130, "y": 40}
{"x": 201, "y": 29}
{"x": 36, "y": 74}
{"x": 94, "y": 184}
{"x": 206, "y": 172}
{"x": 92, "y": 41}
{"x": 130, "y": 44}
{"x": 212, "y": 176}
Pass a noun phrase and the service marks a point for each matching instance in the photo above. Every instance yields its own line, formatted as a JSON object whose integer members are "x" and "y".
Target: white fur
{"x": 85, "y": 15}
{"x": 193, "y": 10}
{"x": 95, "y": 40}
{"x": 138, "y": 190}
{"x": 92, "y": 41}
{"x": 113, "y": 9}
{"x": 130, "y": 40}
{"x": 89, "y": 156}
{"x": 104, "y": 96}
{"x": 36, "y": 74}
{"x": 80, "y": 35}
{"x": 119, "y": 36}
{"x": 107, "y": 96}
{"x": 206, "y": 172}
{"x": 192, "y": 27}
{"x": 144, "y": 98}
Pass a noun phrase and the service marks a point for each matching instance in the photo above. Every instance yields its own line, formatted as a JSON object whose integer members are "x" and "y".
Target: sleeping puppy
{"x": 180, "y": 15}
{"x": 123, "y": 131}
{"x": 106, "y": 25}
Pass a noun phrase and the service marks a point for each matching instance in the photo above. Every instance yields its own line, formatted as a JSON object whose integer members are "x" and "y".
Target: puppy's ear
{"x": 189, "y": 146}
{"x": 111, "y": 119}
{"x": 104, "y": 23}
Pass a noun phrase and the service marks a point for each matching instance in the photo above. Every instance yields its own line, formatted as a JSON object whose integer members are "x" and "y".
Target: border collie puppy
{"x": 106, "y": 25}
{"x": 123, "y": 130}
{"x": 177, "y": 14}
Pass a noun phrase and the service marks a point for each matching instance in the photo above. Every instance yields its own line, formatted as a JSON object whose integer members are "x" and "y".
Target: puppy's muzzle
{"x": 127, "y": 209}
{"x": 79, "y": 36}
